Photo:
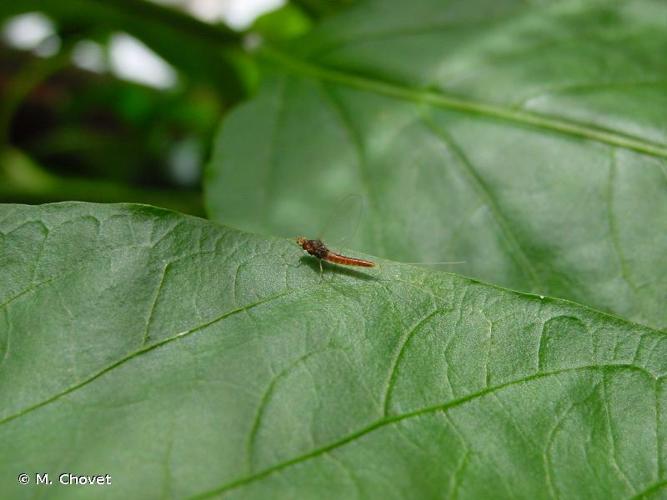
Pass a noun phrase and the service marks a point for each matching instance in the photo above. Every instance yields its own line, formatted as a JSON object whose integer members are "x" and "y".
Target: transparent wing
{"x": 343, "y": 221}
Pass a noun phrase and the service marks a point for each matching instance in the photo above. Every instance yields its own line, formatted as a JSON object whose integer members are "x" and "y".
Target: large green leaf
{"x": 184, "y": 358}
{"x": 527, "y": 138}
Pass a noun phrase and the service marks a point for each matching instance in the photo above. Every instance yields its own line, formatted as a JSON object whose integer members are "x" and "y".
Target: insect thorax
{"x": 317, "y": 249}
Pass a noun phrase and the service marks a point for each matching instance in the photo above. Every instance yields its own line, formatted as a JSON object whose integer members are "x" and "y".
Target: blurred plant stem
{"x": 24, "y": 82}
{"x": 201, "y": 51}
{"x": 317, "y": 9}
{"x": 23, "y": 181}
{"x": 219, "y": 33}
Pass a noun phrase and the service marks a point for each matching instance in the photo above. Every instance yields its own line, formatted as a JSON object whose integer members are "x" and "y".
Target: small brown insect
{"x": 319, "y": 250}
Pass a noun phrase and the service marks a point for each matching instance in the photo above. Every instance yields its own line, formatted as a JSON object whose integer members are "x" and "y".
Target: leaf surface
{"x": 184, "y": 358}
{"x": 527, "y": 138}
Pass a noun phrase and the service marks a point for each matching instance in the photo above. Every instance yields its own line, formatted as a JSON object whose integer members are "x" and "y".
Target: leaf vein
{"x": 139, "y": 352}
{"x": 613, "y": 228}
{"x": 405, "y": 416}
{"x": 612, "y": 439}
{"x": 651, "y": 489}
{"x": 484, "y": 193}
{"x": 158, "y": 289}
{"x": 441, "y": 100}
{"x": 403, "y": 342}
{"x": 264, "y": 401}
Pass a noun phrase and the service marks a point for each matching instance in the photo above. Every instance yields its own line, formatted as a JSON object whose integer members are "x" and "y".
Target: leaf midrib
{"x": 473, "y": 107}
{"x": 383, "y": 422}
{"x": 143, "y": 350}
{"x": 146, "y": 348}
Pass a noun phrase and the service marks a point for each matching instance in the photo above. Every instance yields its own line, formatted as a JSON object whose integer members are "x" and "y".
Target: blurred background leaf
{"x": 364, "y": 92}
{"x": 454, "y": 118}
{"x": 118, "y": 100}
{"x": 527, "y": 139}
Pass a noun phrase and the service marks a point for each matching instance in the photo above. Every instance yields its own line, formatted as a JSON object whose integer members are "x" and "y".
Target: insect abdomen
{"x": 348, "y": 261}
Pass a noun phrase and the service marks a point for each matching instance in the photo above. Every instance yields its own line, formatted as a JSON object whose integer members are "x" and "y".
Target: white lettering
{"x": 67, "y": 479}
{"x": 42, "y": 478}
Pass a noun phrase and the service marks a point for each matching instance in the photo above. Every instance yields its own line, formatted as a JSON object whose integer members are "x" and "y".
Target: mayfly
{"x": 343, "y": 220}
{"x": 319, "y": 250}
{"x": 352, "y": 204}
